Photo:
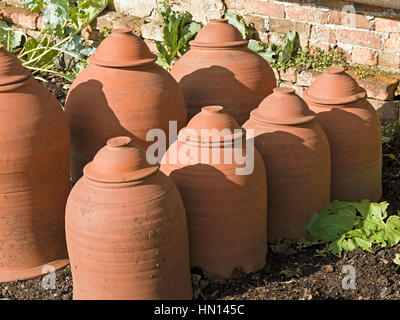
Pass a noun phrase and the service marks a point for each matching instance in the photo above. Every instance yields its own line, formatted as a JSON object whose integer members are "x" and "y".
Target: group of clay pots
{"x": 133, "y": 228}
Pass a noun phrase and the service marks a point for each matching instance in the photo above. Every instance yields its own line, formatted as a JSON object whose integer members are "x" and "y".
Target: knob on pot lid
{"x": 334, "y": 87}
{"x": 212, "y": 124}
{"x": 119, "y": 161}
{"x": 122, "y": 49}
{"x": 283, "y": 107}
{"x": 219, "y": 34}
{"x": 11, "y": 69}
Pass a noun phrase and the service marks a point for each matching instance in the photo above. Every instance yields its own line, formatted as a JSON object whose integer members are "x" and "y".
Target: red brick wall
{"x": 370, "y": 35}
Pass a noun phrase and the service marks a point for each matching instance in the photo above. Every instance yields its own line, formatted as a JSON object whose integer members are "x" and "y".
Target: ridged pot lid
{"x": 11, "y": 68}
{"x": 212, "y": 124}
{"x": 122, "y": 49}
{"x": 334, "y": 87}
{"x": 219, "y": 34}
{"x": 283, "y": 107}
{"x": 119, "y": 161}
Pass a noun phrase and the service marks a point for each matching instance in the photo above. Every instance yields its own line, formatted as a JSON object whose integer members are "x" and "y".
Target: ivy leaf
{"x": 9, "y": 37}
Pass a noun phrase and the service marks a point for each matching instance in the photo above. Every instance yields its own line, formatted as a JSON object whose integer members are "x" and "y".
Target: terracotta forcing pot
{"x": 354, "y": 133}
{"x": 296, "y": 154}
{"x": 122, "y": 92}
{"x": 225, "y": 203}
{"x": 126, "y": 229}
{"x": 220, "y": 70}
{"x": 34, "y": 174}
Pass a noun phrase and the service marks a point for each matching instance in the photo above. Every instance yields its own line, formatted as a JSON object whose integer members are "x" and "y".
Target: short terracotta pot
{"x": 296, "y": 154}
{"x": 34, "y": 171}
{"x": 126, "y": 229}
{"x": 220, "y": 70}
{"x": 122, "y": 92}
{"x": 226, "y": 210}
{"x": 354, "y": 132}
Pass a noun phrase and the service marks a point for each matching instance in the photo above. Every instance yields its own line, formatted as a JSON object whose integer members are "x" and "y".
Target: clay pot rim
{"x": 338, "y": 100}
{"x": 254, "y": 115}
{"x": 219, "y": 45}
{"x": 125, "y": 64}
{"x": 335, "y": 100}
{"x": 225, "y": 141}
{"x": 92, "y": 174}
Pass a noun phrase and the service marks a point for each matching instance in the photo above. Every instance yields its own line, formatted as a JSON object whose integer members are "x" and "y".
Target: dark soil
{"x": 291, "y": 272}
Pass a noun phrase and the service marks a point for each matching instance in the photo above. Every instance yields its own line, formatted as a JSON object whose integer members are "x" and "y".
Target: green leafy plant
{"x": 63, "y": 20}
{"x": 178, "y": 30}
{"x": 279, "y": 57}
{"x": 239, "y": 23}
{"x": 390, "y": 131}
{"x": 345, "y": 226}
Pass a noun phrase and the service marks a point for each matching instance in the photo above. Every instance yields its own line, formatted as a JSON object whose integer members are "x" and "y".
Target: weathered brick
{"x": 256, "y": 21}
{"x": 284, "y": 25}
{"x": 290, "y": 74}
{"x": 19, "y": 16}
{"x": 393, "y": 42}
{"x": 334, "y": 4}
{"x": 321, "y": 33}
{"x": 307, "y": 14}
{"x": 235, "y": 4}
{"x": 379, "y": 87}
{"x": 387, "y": 110}
{"x": 358, "y": 37}
{"x": 130, "y": 22}
{"x": 106, "y": 20}
{"x": 265, "y": 8}
{"x": 389, "y": 60}
{"x": 387, "y": 25}
{"x": 351, "y": 20}
{"x": 364, "y": 56}
{"x": 277, "y": 75}
{"x": 307, "y": 77}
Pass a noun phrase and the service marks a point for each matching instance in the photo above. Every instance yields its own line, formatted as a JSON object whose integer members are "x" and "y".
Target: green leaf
{"x": 290, "y": 47}
{"x": 55, "y": 15}
{"x": 9, "y": 37}
{"x": 345, "y": 226}
{"x": 85, "y": 12}
{"x": 34, "y": 5}
{"x": 36, "y": 49}
{"x": 333, "y": 221}
{"x": 77, "y": 49}
{"x": 237, "y": 22}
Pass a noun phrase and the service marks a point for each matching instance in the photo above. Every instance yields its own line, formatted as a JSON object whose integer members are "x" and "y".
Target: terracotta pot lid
{"x": 212, "y": 124}
{"x": 283, "y": 107}
{"x": 119, "y": 161}
{"x": 219, "y": 34}
{"x": 122, "y": 49}
{"x": 334, "y": 87}
{"x": 11, "y": 69}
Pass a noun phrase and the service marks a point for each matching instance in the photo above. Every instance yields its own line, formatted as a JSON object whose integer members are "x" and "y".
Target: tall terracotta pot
{"x": 220, "y": 70}
{"x": 126, "y": 229}
{"x": 296, "y": 154}
{"x": 34, "y": 174}
{"x": 122, "y": 92}
{"x": 225, "y": 207}
{"x": 354, "y": 133}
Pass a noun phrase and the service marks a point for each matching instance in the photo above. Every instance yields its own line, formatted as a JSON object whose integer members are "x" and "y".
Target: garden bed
{"x": 291, "y": 272}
